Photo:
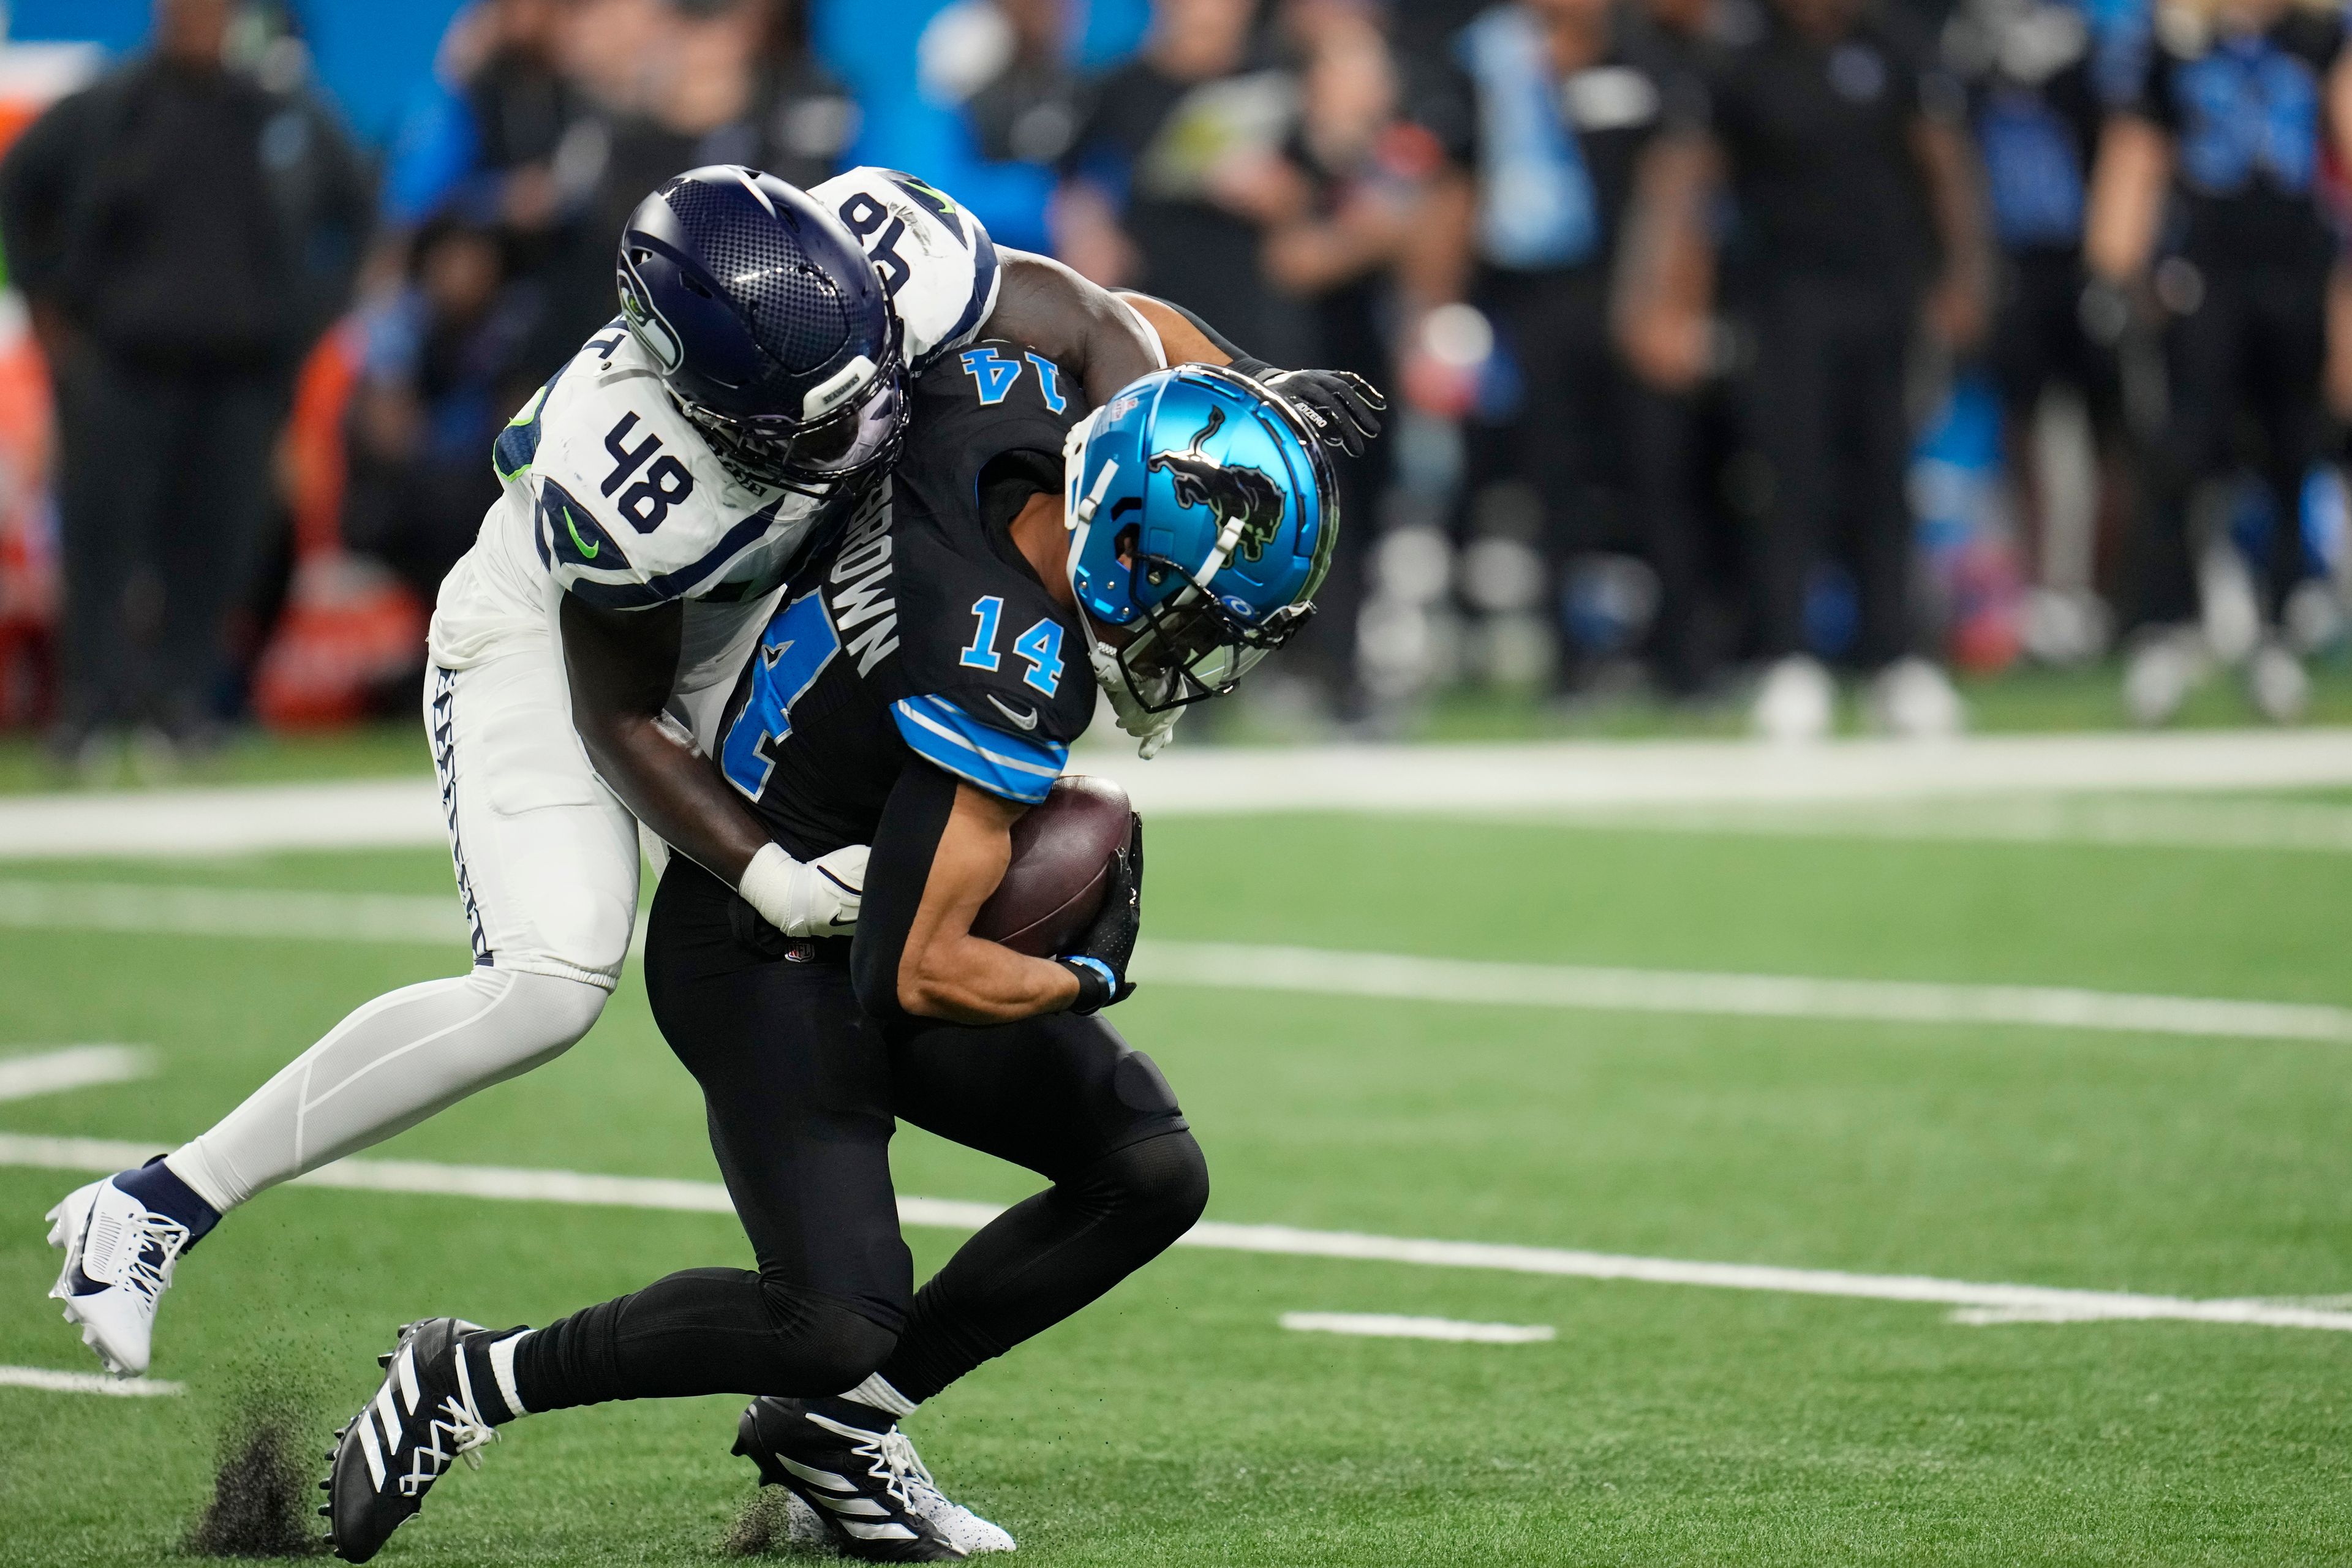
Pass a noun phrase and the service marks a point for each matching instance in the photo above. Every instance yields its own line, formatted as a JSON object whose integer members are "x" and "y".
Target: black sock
{"x": 153, "y": 1184}
{"x": 482, "y": 1374}
{"x": 704, "y": 1331}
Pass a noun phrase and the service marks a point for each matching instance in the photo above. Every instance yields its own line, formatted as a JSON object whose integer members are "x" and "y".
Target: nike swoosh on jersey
{"x": 587, "y": 551}
{"x": 1027, "y": 720}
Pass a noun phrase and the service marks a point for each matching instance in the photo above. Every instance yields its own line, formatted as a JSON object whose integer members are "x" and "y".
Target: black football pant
{"x": 1827, "y": 414}
{"x": 164, "y": 498}
{"x": 801, "y": 1089}
{"x": 2255, "y": 346}
{"x": 1609, "y": 459}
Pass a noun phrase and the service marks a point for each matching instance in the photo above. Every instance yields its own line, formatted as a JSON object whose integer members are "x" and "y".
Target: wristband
{"x": 767, "y": 884}
{"x": 1098, "y": 987}
{"x": 1255, "y": 369}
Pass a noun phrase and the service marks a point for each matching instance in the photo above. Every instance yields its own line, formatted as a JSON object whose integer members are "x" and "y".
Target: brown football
{"x": 1061, "y": 864}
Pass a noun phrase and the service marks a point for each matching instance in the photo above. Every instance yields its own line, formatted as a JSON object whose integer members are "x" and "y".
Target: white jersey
{"x": 612, "y": 494}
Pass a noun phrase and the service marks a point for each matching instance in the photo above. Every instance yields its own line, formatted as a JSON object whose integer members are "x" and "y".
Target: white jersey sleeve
{"x": 631, "y": 507}
{"x": 937, "y": 262}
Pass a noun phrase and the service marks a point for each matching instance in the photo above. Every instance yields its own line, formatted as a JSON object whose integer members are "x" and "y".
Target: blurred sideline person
{"x": 184, "y": 232}
{"x": 1041, "y": 553}
{"x": 655, "y": 494}
{"x": 1858, "y": 212}
{"x": 2241, "y": 104}
{"x": 2038, "y": 74}
{"x": 718, "y": 81}
{"x": 1364, "y": 181}
{"x": 444, "y": 363}
{"x": 1176, "y": 174}
{"x": 1561, "y": 100}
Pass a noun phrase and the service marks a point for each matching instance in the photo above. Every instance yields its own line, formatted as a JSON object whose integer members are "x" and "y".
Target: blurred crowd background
{"x": 1745, "y": 353}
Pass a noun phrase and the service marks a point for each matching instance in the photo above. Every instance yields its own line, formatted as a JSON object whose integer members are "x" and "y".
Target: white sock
{"x": 382, "y": 1071}
{"x": 502, "y": 1354}
{"x": 878, "y": 1395}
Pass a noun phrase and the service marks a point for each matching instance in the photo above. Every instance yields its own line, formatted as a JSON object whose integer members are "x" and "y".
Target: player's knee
{"x": 823, "y": 1346}
{"x": 539, "y": 1017}
{"x": 1161, "y": 1185}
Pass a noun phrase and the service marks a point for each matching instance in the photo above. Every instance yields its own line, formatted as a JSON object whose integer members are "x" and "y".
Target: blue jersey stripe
{"x": 1008, "y": 765}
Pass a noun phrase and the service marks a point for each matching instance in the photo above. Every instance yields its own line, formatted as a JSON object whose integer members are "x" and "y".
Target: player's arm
{"x": 1958, "y": 304}
{"x": 942, "y": 847}
{"x": 1108, "y": 340}
{"x": 622, "y": 665}
{"x": 2128, "y": 189}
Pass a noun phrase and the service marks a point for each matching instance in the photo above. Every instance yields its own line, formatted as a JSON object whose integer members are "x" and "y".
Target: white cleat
{"x": 965, "y": 1530}
{"x": 2276, "y": 681}
{"x": 119, "y": 1255}
{"x": 1914, "y": 700}
{"x": 1795, "y": 703}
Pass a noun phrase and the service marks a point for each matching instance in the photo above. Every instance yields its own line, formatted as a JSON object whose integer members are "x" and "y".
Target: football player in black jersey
{"x": 917, "y": 690}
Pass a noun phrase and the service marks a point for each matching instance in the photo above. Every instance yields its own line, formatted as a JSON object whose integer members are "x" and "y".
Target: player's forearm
{"x": 1184, "y": 338}
{"x": 1955, "y": 201}
{"x": 668, "y": 784}
{"x": 620, "y": 665}
{"x": 2127, "y": 187}
{"x": 940, "y": 851}
{"x": 1079, "y": 325}
{"x": 969, "y": 980}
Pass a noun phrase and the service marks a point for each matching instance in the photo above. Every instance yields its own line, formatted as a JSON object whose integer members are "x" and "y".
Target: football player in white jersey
{"x": 656, "y": 491}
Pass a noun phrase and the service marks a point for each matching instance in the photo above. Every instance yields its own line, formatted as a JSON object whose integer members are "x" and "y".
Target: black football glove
{"x": 1344, "y": 408}
{"x": 1102, "y": 958}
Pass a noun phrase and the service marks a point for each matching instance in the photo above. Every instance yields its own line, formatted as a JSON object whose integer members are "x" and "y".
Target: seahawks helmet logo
{"x": 1247, "y": 494}
{"x": 659, "y": 337}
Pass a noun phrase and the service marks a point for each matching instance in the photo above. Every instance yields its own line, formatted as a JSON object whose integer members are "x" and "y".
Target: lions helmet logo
{"x": 1228, "y": 493}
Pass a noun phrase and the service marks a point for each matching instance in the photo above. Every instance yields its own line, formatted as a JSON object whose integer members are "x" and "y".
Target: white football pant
{"x": 546, "y": 870}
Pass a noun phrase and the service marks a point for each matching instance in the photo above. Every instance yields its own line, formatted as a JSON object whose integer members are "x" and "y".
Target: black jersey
{"x": 922, "y": 632}
{"x": 1818, "y": 138}
{"x": 2249, "y": 114}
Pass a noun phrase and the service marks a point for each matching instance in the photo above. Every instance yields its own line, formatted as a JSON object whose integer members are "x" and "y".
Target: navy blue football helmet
{"x": 771, "y": 327}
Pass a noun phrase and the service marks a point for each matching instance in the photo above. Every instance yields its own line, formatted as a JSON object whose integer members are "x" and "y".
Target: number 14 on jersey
{"x": 1040, "y": 647}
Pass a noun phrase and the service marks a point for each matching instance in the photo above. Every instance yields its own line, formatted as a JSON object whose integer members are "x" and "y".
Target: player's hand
{"x": 815, "y": 898}
{"x": 1344, "y": 408}
{"x": 1102, "y": 956}
{"x": 1151, "y": 729}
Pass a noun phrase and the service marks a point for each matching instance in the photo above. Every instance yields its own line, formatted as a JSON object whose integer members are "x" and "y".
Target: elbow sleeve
{"x": 914, "y": 820}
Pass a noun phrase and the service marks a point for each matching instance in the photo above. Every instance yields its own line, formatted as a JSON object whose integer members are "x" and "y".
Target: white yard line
{"x": 270, "y": 914}
{"x": 260, "y": 913}
{"x": 1237, "y": 966}
{"x": 1993, "y": 1302}
{"x": 71, "y": 1067}
{"x": 85, "y": 1382}
{"x": 1389, "y": 1326}
{"x": 1214, "y": 780}
{"x": 2291, "y": 827}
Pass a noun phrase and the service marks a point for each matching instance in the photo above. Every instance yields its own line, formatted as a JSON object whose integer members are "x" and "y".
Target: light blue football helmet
{"x": 1202, "y": 515}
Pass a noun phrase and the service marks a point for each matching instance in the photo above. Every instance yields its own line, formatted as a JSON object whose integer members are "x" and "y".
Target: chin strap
{"x": 1151, "y": 729}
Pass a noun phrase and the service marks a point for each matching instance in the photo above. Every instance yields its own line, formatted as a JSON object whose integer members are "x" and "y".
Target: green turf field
{"x": 1176, "y": 1422}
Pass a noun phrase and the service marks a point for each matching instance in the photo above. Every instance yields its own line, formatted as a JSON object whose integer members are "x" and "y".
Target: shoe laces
{"x": 890, "y": 1459}
{"x": 152, "y": 1245}
{"x": 459, "y": 1420}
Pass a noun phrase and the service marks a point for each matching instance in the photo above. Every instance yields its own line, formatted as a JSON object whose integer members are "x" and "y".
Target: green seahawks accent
{"x": 935, "y": 194}
{"x": 587, "y": 551}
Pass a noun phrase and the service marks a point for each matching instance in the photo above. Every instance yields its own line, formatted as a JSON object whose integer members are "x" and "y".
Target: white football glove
{"x": 1151, "y": 729}
{"x": 816, "y": 898}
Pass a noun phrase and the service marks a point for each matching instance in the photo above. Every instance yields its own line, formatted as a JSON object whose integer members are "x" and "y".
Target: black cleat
{"x": 863, "y": 1482}
{"x": 387, "y": 1458}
